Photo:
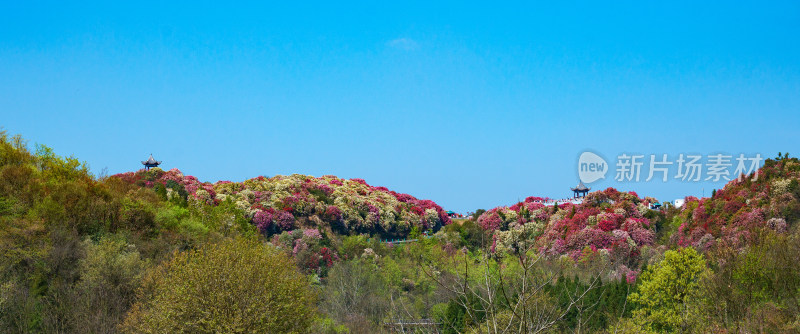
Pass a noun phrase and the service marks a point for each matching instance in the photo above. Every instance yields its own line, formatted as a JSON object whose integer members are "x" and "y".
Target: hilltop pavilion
{"x": 581, "y": 190}
{"x": 150, "y": 163}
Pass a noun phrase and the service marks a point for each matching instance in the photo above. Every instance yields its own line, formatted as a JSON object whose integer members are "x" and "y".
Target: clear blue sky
{"x": 470, "y": 105}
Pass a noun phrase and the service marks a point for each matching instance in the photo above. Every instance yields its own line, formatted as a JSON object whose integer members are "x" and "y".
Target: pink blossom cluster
{"x": 305, "y": 246}
{"x": 742, "y": 206}
{"x": 263, "y": 220}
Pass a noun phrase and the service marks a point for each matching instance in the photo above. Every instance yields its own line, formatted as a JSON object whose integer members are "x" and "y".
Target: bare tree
{"x": 506, "y": 293}
{"x": 353, "y": 295}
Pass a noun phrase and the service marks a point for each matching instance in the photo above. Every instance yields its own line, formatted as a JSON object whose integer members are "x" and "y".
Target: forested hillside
{"x": 285, "y": 203}
{"x": 162, "y": 252}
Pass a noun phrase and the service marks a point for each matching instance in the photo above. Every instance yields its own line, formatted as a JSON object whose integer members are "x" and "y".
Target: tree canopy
{"x": 234, "y": 286}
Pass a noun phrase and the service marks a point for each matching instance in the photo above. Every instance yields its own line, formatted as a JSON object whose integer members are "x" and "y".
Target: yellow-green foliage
{"x": 756, "y": 290}
{"x": 110, "y": 274}
{"x": 235, "y": 286}
{"x": 667, "y": 291}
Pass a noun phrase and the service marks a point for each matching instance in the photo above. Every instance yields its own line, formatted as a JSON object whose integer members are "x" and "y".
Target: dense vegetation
{"x": 733, "y": 214}
{"x": 615, "y": 226}
{"x": 285, "y": 203}
{"x": 157, "y": 251}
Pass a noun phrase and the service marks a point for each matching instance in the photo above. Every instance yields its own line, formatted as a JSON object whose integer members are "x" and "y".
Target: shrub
{"x": 235, "y": 286}
{"x": 668, "y": 289}
{"x": 110, "y": 275}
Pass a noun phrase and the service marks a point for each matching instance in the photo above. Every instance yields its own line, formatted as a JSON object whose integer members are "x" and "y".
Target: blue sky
{"x": 470, "y": 105}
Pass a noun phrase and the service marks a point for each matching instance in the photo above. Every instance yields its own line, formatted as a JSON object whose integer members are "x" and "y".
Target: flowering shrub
{"x": 312, "y": 233}
{"x": 308, "y": 249}
{"x": 285, "y": 220}
{"x": 606, "y": 225}
{"x": 263, "y": 220}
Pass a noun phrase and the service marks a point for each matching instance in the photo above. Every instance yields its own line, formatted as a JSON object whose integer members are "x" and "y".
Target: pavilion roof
{"x": 581, "y": 187}
{"x": 151, "y": 161}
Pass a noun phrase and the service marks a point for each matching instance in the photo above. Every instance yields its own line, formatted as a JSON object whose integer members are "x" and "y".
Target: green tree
{"x": 235, "y": 286}
{"x": 477, "y": 214}
{"x": 110, "y": 274}
{"x": 668, "y": 289}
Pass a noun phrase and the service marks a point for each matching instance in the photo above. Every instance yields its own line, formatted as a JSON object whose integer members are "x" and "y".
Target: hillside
{"x": 613, "y": 225}
{"x": 284, "y": 203}
{"x": 733, "y": 215}
{"x": 139, "y": 251}
{"x": 75, "y": 248}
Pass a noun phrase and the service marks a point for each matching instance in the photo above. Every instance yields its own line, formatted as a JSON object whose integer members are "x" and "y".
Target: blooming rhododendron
{"x": 288, "y": 202}
{"x": 606, "y": 225}
{"x": 312, "y": 233}
{"x": 333, "y": 212}
{"x": 285, "y": 220}
{"x": 608, "y": 221}
{"x": 742, "y": 207}
{"x": 490, "y": 220}
{"x": 263, "y": 220}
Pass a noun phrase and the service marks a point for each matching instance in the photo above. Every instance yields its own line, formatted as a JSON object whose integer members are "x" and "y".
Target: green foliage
{"x": 109, "y": 276}
{"x": 179, "y": 193}
{"x": 756, "y": 290}
{"x": 57, "y": 168}
{"x": 470, "y": 234}
{"x": 234, "y": 286}
{"x": 353, "y": 246}
{"x": 321, "y": 196}
{"x": 452, "y": 315}
{"x": 137, "y": 215}
{"x": 667, "y": 229}
{"x": 325, "y": 325}
{"x": 667, "y": 290}
{"x": 601, "y": 306}
{"x": 415, "y": 233}
{"x": 13, "y": 150}
{"x": 170, "y": 217}
{"x": 161, "y": 191}
{"x": 180, "y": 220}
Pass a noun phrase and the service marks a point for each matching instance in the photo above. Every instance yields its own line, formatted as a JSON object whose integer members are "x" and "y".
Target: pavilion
{"x": 150, "y": 163}
{"x": 581, "y": 190}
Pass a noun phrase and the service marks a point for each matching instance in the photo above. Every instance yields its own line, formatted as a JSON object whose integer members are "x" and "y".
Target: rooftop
{"x": 581, "y": 187}
{"x": 151, "y": 161}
